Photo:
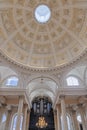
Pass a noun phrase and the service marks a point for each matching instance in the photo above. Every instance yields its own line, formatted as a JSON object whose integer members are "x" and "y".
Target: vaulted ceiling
{"x": 37, "y": 46}
{"x": 62, "y": 39}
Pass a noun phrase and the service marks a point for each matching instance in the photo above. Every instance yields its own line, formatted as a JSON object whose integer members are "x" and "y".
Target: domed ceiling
{"x": 53, "y": 43}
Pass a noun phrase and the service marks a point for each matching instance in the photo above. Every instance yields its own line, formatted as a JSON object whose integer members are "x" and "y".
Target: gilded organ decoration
{"x": 57, "y": 42}
{"x": 41, "y": 123}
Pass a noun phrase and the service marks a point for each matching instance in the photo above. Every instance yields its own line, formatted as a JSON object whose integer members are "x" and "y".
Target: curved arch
{"x": 77, "y": 71}
{"x": 10, "y": 66}
{"x": 6, "y": 72}
{"x": 9, "y": 81}
{"x": 81, "y": 83}
{"x": 8, "y": 78}
{"x": 38, "y": 97}
{"x": 72, "y": 81}
{"x": 76, "y": 77}
{"x": 13, "y": 123}
{"x": 46, "y": 95}
{"x": 42, "y": 88}
{"x": 40, "y": 92}
{"x": 46, "y": 84}
{"x": 34, "y": 77}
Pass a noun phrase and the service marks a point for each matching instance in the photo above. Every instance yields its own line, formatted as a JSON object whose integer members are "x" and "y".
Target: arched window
{"x": 3, "y": 118}
{"x": 12, "y": 81}
{"x": 72, "y": 81}
{"x": 14, "y": 122}
{"x": 69, "y": 123}
{"x": 79, "y": 121}
{"x": 79, "y": 118}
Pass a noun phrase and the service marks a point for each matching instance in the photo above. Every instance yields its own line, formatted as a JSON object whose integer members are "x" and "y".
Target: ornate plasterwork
{"x": 56, "y": 71}
{"x": 58, "y": 42}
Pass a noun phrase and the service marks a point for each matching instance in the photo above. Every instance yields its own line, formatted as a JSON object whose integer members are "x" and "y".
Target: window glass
{"x": 72, "y": 81}
{"x": 79, "y": 118}
{"x": 15, "y": 121}
{"x": 69, "y": 123}
{"x": 12, "y": 81}
{"x": 3, "y": 118}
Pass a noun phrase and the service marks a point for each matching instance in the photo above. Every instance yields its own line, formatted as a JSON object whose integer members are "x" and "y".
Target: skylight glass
{"x": 42, "y": 13}
{"x": 12, "y": 81}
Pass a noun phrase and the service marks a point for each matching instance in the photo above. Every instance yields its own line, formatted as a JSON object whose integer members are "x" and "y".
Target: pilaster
{"x": 25, "y": 116}
{"x": 63, "y": 111}
{"x": 20, "y": 107}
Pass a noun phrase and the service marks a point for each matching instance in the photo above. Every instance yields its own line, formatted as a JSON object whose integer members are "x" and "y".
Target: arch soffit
{"x": 34, "y": 77}
{"x": 38, "y": 93}
{"x": 74, "y": 72}
{"x": 6, "y": 72}
{"x": 9, "y": 77}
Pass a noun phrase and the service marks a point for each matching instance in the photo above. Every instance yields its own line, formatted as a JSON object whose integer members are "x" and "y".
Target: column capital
{"x": 57, "y": 105}
{"x": 75, "y": 107}
{"x": 8, "y": 107}
{"x": 80, "y": 106}
{"x": 21, "y": 97}
{"x": 73, "y": 112}
{"x": 69, "y": 109}
{"x": 72, "y": 109}
{"x": 62, "y": 96}
{"x": 84, "y": 104}
{"x": 28, "y": 111}
{"x": 55, "y": 112}
{"x": 25, "y": 106}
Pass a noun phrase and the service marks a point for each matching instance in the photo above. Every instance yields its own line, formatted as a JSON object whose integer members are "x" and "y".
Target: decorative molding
{"x": 48, "y": 70}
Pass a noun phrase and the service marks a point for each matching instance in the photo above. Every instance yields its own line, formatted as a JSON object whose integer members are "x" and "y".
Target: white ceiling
{"x": 58, "y": 42}
{"x": 29, "y": 43}
{"x": 42, "y": 87}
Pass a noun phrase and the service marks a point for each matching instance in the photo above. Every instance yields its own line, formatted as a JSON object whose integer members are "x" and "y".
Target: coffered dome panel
{"x": 58, "y": 41}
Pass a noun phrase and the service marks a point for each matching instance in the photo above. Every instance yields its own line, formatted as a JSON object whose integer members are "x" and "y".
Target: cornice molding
{"x": 74, "y": 92}
{"x": 55, "y": 69}
{"x": 15, "y": 92}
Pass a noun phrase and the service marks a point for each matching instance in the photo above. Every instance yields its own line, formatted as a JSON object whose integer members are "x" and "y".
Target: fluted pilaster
{"x": 63, "y": 111}
{"x": 20, "y": 107}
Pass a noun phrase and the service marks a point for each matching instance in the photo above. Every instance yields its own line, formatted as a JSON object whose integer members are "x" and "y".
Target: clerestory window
{"x": 12, "y": 81}
{"x": 72, "y": 81}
